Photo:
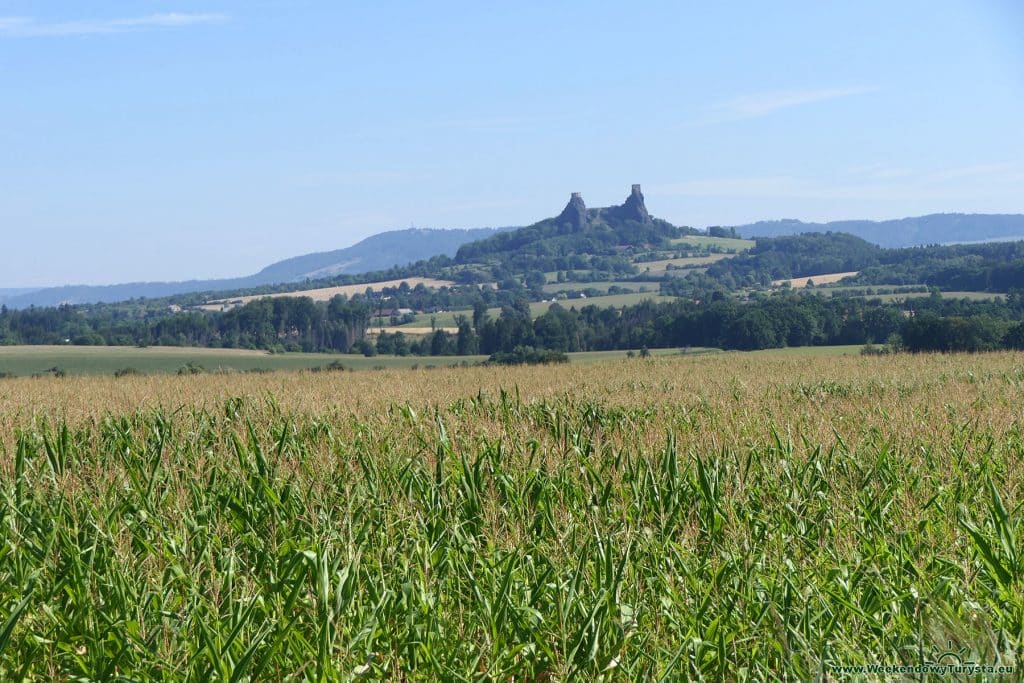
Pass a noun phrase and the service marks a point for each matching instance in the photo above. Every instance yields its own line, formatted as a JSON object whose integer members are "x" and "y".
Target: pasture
{"x": 723, "y": 516}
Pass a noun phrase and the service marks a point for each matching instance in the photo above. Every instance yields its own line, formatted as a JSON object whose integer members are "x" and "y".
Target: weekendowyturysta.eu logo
{"x": 948, "y": 661}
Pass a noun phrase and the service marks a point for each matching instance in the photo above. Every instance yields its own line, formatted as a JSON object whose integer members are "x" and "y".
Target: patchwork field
{"x": 715, "y": 517}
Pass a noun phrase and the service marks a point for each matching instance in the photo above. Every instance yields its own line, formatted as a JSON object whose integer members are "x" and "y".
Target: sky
{"x": 180, "y": 139}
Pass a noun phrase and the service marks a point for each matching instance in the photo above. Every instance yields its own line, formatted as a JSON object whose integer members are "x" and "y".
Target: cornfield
{"x": 717, "y": 518}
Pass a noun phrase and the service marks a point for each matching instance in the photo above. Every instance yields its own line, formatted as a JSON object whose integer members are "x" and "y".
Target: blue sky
{"x": 151, "y": 140}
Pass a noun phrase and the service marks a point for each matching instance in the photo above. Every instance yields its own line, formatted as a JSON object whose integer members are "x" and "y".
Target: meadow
{"x": 709, "y": 516}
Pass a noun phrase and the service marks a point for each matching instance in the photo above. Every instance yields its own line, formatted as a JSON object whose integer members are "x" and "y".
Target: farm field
{"x": 727, "y": 243}
{"x": 823, "y": 279}
{"x": 716, "y": 517}
{"x": 327, "y": 293}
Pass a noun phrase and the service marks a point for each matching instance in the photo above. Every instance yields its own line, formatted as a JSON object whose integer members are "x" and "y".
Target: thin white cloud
{"x": 976, "y": 182}
{"x": 25, "y": 27}
{"x": 763, "y": 104}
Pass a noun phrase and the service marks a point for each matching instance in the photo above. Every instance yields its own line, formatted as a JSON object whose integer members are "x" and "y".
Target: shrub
{"x": 528, "y": 355}
{"x": 191, "y": 368}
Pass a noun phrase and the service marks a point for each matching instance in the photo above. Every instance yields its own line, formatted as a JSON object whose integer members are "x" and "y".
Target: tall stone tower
{"x": 633, "y": 208}
{"x": 574, "y": 213}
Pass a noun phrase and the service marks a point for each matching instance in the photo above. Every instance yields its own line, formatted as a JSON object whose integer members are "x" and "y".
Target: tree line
{"x": 282, "y": 323}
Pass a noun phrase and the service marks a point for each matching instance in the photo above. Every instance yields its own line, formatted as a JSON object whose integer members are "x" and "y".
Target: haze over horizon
{"x": 199, "y": 139}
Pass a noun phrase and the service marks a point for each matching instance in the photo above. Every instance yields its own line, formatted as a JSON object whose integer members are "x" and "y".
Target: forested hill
{"x": 376, "y": 253}
{"x": 939, "y": 228}
{"x": 576, "y": 231}
{"x": 988, "y": 267}
{"x": 779, "y": 258}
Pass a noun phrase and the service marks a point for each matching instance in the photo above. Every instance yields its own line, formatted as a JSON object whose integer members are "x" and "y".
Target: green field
{"x": 900, "y": 296}
{"x": 106, "y": 360}
{"x": 538, "y": 308}
{"x": 24, "y": 361}
{"x": 726, "y": 243}
{"x": 601, "y": 285}
{"x": 807, "y": 351}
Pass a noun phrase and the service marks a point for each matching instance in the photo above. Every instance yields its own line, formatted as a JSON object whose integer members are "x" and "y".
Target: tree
{"x": 466, "y": 343}
{"x": 479, "y": 315}
{"x": 441, "y": 344}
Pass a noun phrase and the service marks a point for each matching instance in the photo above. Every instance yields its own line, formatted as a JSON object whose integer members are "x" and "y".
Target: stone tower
{"x": 633, "y": 208}
{"x": 574, "y": 213}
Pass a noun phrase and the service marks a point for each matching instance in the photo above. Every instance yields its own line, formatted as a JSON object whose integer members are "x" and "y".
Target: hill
{"x": 578, "y": 230}
{"x": 939, "y": 228}
{"x": 378, "y": 252}
{"x": 10, "y": 292}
